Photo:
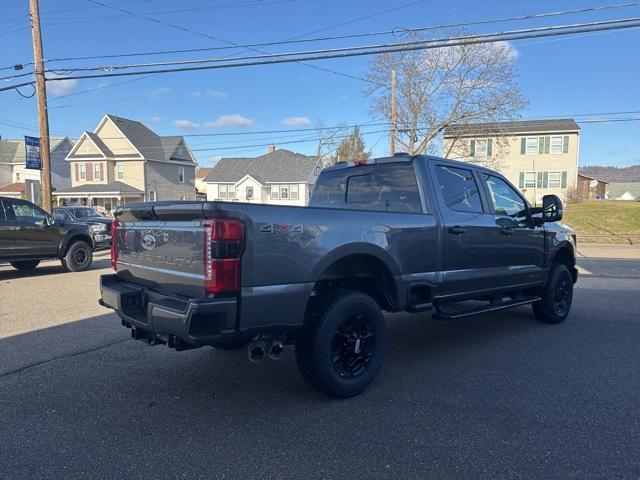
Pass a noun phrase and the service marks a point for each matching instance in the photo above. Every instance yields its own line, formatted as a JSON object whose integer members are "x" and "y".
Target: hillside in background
{"x": 613, "y": 174}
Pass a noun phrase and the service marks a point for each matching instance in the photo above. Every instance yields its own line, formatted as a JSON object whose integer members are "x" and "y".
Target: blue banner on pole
{"x": 32, "y": 152}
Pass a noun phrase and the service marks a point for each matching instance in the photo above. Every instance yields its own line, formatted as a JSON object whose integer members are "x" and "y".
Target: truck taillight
{"x": 223, "y": 247}
{"x": 114, "y": 251}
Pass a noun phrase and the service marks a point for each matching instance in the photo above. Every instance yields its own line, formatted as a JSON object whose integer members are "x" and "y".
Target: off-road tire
{"x": 25, "y": 264}
{"x": 324, "y": 329}
{"x": 78, "y": 257}
{"x": 557, "y": 295}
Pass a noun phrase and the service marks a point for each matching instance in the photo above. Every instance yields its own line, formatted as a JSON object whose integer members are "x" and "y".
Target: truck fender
{"x": 72, "y": 236}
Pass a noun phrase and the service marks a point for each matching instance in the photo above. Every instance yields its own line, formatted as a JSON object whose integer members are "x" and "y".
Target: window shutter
{"x": 472, "y": 148}
{"x": 565, "y": 144}
{"x": 540, "y": 145}
{"x": 545, "y": 180}
{"x": 547, "y": 143}
{"x": 521, "y": 179}
{"x": 540, "y": 179}
{"x": 77, "y": 171}
{"x": 489, "y": 147}
{"x": 89, "y": 171}
{"x": 564, "y": 179}
{"x": 523, "y": 145}
{"x": 101, "y": 171}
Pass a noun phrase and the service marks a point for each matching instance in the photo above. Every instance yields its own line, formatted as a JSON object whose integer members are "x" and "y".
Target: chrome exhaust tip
{"x": 276, "y": 351}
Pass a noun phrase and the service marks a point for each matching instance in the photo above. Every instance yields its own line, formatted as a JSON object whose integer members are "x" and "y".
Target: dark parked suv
{"x": 28, "y": 235}
{"x": 99, "y": 225}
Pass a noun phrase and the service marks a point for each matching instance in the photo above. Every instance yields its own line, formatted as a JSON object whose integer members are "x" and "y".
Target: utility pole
{"x": 394, "y": 119}
{"x": 43, "y": 115}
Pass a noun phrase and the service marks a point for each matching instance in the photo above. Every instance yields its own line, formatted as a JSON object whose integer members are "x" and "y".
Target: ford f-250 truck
{"x": 405, "y": 233}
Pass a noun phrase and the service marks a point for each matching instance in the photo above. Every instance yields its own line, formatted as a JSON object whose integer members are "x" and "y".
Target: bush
{"x": 573, "y": 196}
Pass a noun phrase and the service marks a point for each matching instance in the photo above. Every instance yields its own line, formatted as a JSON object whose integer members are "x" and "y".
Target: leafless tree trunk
{"x": 459, "y": 85}
{"x": 328, "y": 141}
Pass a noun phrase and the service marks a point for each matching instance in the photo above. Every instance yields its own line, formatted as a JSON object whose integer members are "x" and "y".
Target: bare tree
{"x": 436, "y": 88}
{"x": 328, "y": 140}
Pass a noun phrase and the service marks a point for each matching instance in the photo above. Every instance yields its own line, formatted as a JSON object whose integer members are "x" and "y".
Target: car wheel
{"x": 342, "y": 346}
{"x": 25, "y": 264}
{"x": 78, "y": 257}
{"x": 557, "y": 295}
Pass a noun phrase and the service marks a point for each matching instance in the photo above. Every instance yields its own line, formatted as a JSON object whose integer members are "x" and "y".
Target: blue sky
{"x": 589, "y": 74}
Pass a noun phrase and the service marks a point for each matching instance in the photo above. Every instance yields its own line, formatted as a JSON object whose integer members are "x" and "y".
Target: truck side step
{"x": 452, "y": 314}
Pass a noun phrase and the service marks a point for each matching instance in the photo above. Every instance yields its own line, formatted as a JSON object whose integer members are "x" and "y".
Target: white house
{"x": 279, "y": 177}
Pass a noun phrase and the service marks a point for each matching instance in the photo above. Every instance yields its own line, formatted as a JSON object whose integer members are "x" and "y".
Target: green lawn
{"x": 606, "y": 220}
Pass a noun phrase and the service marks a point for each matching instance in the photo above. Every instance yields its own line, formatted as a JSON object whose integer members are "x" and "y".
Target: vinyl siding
{"x": 163, "y": 178}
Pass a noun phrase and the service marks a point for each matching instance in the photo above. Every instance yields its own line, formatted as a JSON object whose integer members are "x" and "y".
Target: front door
{"x": 7, "y": 233}
{"x": 521, "y": 245}
{"x": 34, "y": 237}
{"x": 470, "y": 265}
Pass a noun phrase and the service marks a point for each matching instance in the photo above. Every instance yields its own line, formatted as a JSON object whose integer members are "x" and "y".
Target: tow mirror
{"x": 551, "y": 208}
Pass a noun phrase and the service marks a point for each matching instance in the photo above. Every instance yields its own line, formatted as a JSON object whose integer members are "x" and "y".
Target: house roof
{"x": 12, "y": 150}
{"x": 13, "y": 188}
{"x": 591, "y": 178}
{"x": 203, "y": 172}
{"x": 150, "y": 145}
{"x": 100, "y": 188}
{"x": 522, "y": 126}
{"x": 279, "y": 166}
{"x": 617, "y": 189}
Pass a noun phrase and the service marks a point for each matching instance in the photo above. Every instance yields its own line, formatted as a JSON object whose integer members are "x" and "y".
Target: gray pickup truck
{"x": 405, "y": 233}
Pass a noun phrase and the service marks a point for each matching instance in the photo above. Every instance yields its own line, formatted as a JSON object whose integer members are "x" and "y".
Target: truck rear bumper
{"x": 160, "y": 318}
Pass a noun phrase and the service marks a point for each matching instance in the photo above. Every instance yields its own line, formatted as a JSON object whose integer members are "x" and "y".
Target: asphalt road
{"x": 495, "y": 396}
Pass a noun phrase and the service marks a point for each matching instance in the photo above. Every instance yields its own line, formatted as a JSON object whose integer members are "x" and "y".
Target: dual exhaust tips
{"x": 263, "y": 347}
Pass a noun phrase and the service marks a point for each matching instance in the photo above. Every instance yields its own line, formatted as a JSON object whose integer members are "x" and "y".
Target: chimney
{"x": 272, "y": 148}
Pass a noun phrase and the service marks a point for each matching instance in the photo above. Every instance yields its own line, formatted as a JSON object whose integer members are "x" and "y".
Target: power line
{"x": 447, "y": 43}
{"x": 397, "y": 31}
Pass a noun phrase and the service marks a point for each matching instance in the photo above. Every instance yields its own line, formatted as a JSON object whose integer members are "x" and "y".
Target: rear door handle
{"x": 507, "y": 231}
{"x": 457, "y": 230}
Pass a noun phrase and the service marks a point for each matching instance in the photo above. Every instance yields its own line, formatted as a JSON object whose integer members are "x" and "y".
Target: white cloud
{"x": 215, "y": 93}
{"x": 157, "y": 119}
{"x": 60, "y": 87}
{"x": 235, "y": 120}
{"x": 510, "y": 48}
{"x": 160, "y": 92}
{"x": 209, "y": 92}
{"x": 185, "y": 125}
{"x": 296, "y": 122}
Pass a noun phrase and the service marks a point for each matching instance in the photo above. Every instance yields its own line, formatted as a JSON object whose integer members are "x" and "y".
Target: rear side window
{"x": 459, "y": 189}
{"x": 382, "y": 188}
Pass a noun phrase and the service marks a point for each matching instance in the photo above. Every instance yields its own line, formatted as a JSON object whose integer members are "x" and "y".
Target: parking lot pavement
{"x": 495, "y": 396}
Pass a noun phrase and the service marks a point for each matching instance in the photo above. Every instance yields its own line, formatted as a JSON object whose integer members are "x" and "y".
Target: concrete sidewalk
{"x": 604, "y": 250}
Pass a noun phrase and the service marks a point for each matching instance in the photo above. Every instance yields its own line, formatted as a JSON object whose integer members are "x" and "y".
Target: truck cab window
{"x": 505, "y": 200}
{"x": 27, "y": 213}
{"x": 458, "y": 188}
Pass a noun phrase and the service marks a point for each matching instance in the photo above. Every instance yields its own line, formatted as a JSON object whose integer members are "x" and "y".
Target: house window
{"x": 120, "y": 172}
{"x": 82, "y": 171}
{"x": 17, "y": 177}
{"x": 183, "y": 197}
{"x": 275, "y": 192}
{"x": 532, "y": 145}
{"x": 180, "y": 174}
{"x": 530, "y": 179}
{"x": 222, "y": 191}
{"x": 249, "y": 193}
{"x": 557, "y": 145}
{"x": 555, "y": 178}
{"x": 284, "y": 192}
{"x": 482, "y": 147}
{"x": 96, "y": 171}
{"x": 231, "y": 192}
{"x": 294, "y": 192}
{"x": 151, "y": 197}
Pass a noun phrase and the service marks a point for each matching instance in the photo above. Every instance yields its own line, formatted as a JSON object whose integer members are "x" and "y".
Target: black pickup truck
{"x": 29, "y": 235}
{"x": 405, "y": 233}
